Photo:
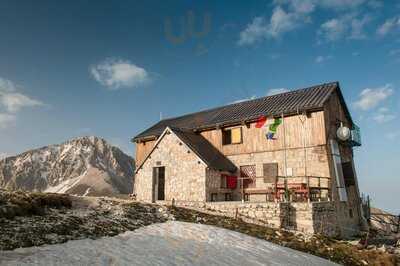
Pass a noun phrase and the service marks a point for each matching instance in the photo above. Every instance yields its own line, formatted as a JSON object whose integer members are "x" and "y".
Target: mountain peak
{"x": 83, "y": 165}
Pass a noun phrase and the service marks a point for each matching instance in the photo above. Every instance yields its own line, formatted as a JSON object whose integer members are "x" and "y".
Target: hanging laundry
{"x": 273, "y": 128}
{"x": 231, "y": 182}
{"x": 261, "y": 121}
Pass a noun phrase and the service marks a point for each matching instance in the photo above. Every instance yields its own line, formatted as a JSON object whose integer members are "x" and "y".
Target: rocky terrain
{"x": 82, "y": 166}
{"x": 34, "y": 219}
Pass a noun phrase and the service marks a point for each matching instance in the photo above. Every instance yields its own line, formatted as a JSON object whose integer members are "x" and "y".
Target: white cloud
{"x": 357, "y": 27}
{"x": 383, "y": 115}
{"x": 279, "y": 23}
{"x": 392, "y": 135}
{"x": 321, "y": 59}
{"x": 332, "y": 29}
{"x": 277, "y": 91}
{"x": 244, "y": 99}
{"x": 375, "y": 3}
{"x": 340, "y": 4}
{"x": 7, "y": 86}
{"x": 12, "y": 100}
{"x": 394, "y": 52}
{"x": 7, "y": 120}
{"x": 310, "y": 5}
{"x": 291, "y": 14}
{"x": 274, "y": 56}
{"x": 118, "y": 73}
{"x": 255, "y": 31}
{"x": 370, "y": 98}
{"x": 388, "y": 26}
{"x": 349, "y": 25}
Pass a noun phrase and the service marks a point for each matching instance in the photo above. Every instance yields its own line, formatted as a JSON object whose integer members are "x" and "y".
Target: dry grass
{"x": 20, "y": 203}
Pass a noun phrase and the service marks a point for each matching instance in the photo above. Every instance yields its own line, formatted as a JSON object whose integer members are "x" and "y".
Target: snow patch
{"x": 64, "y": 186}
{"x": 171, "y": 243}
{"x": 87, "y": 191}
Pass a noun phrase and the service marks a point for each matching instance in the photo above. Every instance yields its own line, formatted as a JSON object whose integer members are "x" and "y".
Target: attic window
{"x": 232, "y": 136}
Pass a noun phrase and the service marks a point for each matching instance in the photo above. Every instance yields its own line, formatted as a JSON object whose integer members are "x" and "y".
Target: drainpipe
{"x": 284, "y": 150}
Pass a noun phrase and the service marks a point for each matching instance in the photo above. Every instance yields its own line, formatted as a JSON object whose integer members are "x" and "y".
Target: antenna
{"x": 160, "y": 116}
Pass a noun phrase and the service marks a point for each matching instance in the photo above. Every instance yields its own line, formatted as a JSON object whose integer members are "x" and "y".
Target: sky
{"x": 113, "y": 68}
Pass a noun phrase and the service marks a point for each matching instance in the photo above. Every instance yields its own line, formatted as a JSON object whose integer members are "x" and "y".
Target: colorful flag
{"x": 261, "y": 121}
{"x": 273, "y": 128}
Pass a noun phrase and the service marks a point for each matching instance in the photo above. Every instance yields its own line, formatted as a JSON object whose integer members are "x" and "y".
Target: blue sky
{"x": 110, "y": 68}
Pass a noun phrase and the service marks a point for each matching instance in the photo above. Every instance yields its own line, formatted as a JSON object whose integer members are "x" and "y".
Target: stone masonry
{"x": 185, "y": 173}
{"x": 310, "y": 218}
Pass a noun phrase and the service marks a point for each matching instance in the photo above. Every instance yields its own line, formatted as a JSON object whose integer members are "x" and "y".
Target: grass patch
{"x": 20, "y": 203}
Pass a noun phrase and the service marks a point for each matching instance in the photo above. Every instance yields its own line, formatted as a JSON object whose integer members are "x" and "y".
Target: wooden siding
{"x": 334, "y": 113}
{"x": 142, "y": 150}
{"x": 254, "y": 139}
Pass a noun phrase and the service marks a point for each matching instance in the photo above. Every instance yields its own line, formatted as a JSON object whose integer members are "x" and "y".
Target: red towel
{"x": 231, "y": 182}
{"x": 261, "y": 121}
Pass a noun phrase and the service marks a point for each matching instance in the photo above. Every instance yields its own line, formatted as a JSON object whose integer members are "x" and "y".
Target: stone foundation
{"x": 310, "y": 218}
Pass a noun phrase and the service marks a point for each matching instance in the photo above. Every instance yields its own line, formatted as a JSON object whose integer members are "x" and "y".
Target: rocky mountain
{"x": 82, "y": 166}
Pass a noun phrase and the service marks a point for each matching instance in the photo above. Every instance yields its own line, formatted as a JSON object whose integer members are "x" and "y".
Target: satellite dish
{"x": 343, "y": 133}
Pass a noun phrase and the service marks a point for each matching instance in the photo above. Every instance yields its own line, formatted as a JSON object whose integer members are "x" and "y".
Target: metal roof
{"x": 284, "y": 103}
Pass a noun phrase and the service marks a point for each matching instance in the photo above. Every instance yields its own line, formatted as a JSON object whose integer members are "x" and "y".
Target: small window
{"x": 214, "y": 196}
{"x": 228, "y": 196}
{"x": 270, "y": 172}
{"x": 348, "y": 174}
{"x": 224, "y": 181}
{"x": 232, "y": 136}
{"x": 351, "y": 213}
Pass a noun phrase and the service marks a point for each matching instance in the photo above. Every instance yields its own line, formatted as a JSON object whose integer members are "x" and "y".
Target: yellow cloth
{"x": 236, "y": 135}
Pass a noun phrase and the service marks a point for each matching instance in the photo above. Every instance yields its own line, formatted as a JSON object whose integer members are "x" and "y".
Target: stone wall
{"x": 184, "y": 172}
{"x": 314, "y": 217}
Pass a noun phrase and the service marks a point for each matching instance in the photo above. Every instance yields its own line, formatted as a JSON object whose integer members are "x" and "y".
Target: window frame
{"x": 226, "y": 130}
{"x": 224, "y": 181}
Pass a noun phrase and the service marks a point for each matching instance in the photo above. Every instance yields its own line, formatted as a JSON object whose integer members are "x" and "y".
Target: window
{"x": 232, "y": 136}
{"x": 224, "y": 181}
{"x": 248, "y": 175}
{"x": 214, "y": 196}
{"x": 348, "y": 174}
{"x": 270, "y": 172}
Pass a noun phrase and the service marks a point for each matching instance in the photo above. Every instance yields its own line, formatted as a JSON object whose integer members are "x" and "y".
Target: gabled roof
{"x": 206, "y": 152}
{"x": 311, "y": 98}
